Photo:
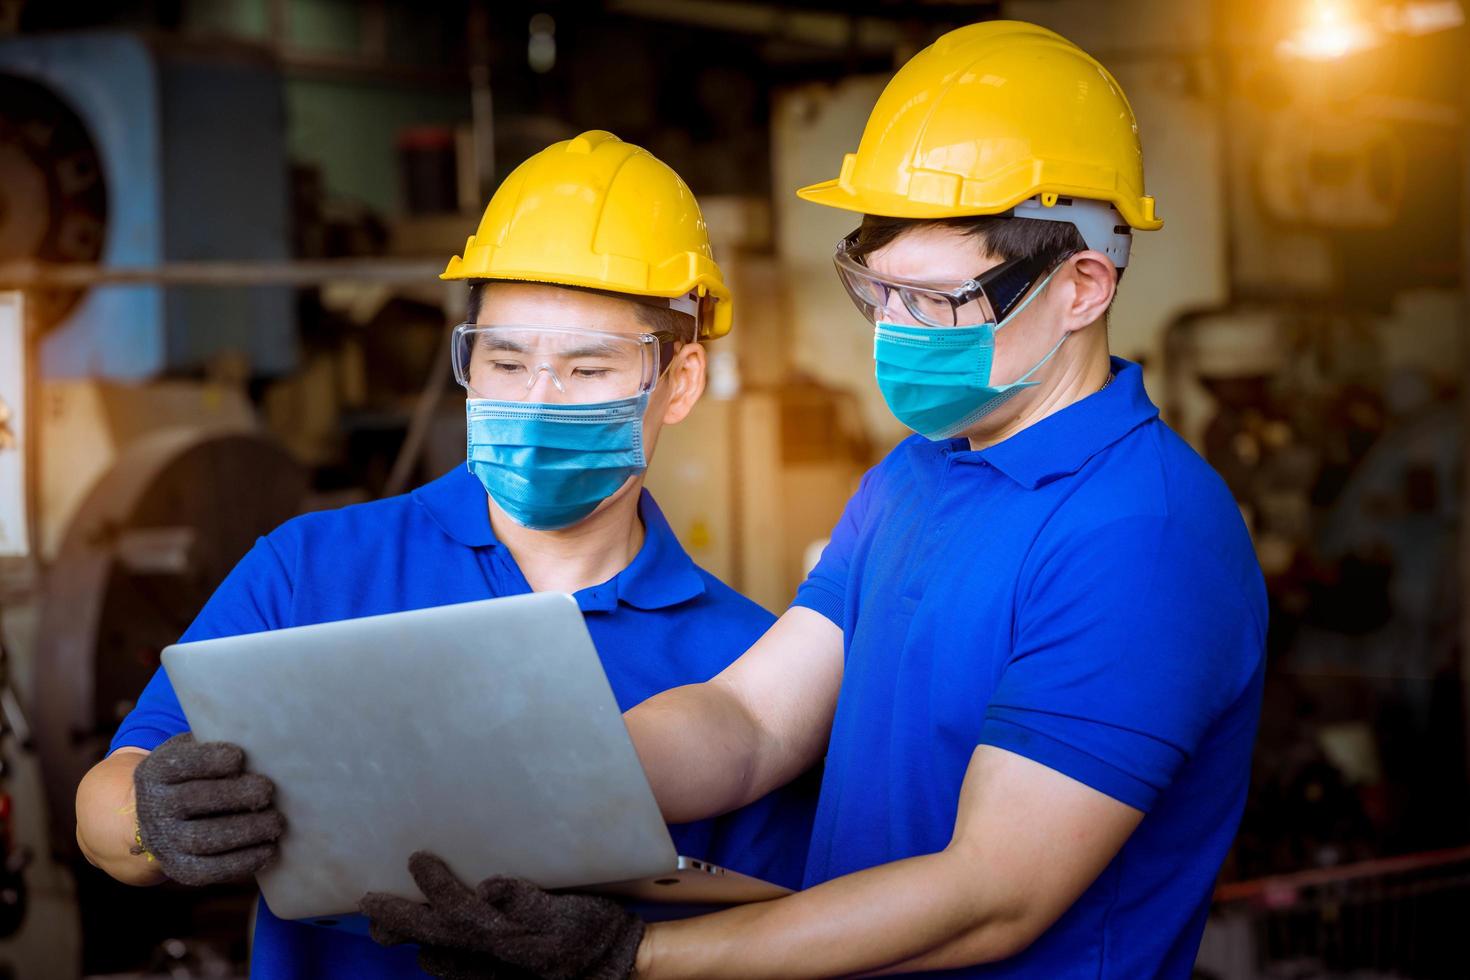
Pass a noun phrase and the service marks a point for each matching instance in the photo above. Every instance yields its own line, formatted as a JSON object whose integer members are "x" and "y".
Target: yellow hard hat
{"x": 986, "y": 117}
{"x": 595, "y": 211}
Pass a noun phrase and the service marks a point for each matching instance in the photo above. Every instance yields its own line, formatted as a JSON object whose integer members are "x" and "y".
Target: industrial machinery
{"x": 1339, "y": 434}
{"x": 130, "y": 152}
{"x": 152, "y": 539}
{"x": 146, "y": 483}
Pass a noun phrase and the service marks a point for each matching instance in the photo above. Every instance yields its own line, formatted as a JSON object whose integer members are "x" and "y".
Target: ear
{"x": 685, "y": 380}
{"x": 1094, "y": 281}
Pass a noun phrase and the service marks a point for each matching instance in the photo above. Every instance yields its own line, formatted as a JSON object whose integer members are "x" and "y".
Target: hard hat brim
{"x": 716, "y": 325}
{"x": 831, "y": 193}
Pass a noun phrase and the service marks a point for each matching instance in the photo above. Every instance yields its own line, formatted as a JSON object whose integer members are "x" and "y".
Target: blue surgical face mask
{"x": 936, "y": 380}
{"x": 549, "y": 466}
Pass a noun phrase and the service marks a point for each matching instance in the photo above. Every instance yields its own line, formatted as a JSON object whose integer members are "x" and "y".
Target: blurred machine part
{"x": 149, "y": 494}
{"x": 84, "y": 428}
{"x": 14, "y": 544}
{"x": 14, "y": 488}
{"x": 154, "y": 534}
{"x": 131, "y": 151}
{"x": 1213, "y": 347}
{"x": 1382, "y": 919}
{"x": 1340, "y": 172}
{"x": 428, "y": 163}
{"x": 1333, "y": 156}
{"x": 748, "y": 484}
{"x": 55, "y": 203}
{"x": 1339, "y": 434}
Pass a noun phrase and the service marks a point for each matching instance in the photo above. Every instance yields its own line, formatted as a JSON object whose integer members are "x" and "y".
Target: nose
{"x": 544, "y": 385}
{"x": 894, "y": 311}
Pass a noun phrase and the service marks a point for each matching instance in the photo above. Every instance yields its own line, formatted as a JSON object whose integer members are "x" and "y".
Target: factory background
{"x": 221, "y": 224}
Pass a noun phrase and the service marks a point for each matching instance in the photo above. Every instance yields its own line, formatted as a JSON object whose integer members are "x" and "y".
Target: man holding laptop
{"x": 592, "y": 284}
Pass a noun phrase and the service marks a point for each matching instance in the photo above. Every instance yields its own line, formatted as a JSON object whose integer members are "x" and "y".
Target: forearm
{"x": 106, "y": 820}
{"x": 927, "y": 912}
{"x": 711, "y": 748}
{"x": 1028, "y": 841}
{"x": 700, "y": 750}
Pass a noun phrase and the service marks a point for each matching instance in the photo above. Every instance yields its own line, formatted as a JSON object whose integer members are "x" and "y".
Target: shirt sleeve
{"x": 254, "y": 597}
{"x": 825, "y": 589}
{"x": 1130, "y": 641}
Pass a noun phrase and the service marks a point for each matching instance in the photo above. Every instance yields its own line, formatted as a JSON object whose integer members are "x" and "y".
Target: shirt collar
{"x": 661, "y": 575}
{"x": 457, "y": 503}
{"x": 1060, "y": 444}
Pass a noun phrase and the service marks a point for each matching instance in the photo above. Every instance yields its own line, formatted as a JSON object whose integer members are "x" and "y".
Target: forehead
{"x": 539, "y": 305}
{"x": 935, "y": 253}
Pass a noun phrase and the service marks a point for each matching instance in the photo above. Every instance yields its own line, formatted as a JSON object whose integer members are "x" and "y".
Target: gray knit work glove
{"x": 201, "y": 815}
{"x": 516, "y": 928}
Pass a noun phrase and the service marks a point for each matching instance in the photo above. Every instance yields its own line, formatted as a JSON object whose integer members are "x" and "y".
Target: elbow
{"x": 82, "y": 846}
{"x": 83, "y": 807}
{"x": 105, "y": 826}
{"x": 744, "y": 746}
{"x": 993, "y": 938}
{"x": 1012, "y": 937}
{"x": 1003, "y": 922}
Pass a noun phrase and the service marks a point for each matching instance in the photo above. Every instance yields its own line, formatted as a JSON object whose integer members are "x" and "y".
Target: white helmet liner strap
{"x": 1099, "y": 223}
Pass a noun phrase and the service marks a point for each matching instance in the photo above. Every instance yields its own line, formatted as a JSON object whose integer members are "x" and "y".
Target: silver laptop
{"x": 485, "y": 732}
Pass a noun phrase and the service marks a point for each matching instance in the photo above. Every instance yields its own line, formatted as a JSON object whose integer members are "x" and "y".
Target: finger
{"x": 384, "y": 936}
{"x": 180, "y": 761}
{"x": 406, "y": 921}
{"x": 524, "y": 902}
{"x": 199, "y": 870}
{"x": 371, "y": 906}
{"x": 208, "y": 797}
{"x": 495, "y": 889}
{"x": 511, "y": 896}
{"x": 453, "y": 901}
{"x": 436, "y": 881}
{"x": 220, "y": 835}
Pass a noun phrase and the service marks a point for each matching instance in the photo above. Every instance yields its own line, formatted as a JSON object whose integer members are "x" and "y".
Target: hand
{"x": 201, "y": 815}
{"x": 505, "y": 928}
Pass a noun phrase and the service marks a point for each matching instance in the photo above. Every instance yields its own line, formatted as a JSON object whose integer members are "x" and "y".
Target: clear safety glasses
{"x": 561, "y": 365}
{"x": 987, "y": 298}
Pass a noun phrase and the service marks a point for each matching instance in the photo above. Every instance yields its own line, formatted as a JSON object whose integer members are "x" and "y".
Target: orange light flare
{"x": 1330, "y": 30}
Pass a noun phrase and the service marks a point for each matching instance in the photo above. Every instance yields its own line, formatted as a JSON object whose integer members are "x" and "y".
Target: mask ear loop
{"x": 1026, "y": 378}
{"x": 1036, "y": 291}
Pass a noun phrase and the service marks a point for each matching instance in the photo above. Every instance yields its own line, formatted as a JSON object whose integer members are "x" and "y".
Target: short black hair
{"x": 1002, "y": 236}
{"x": 653, "y": 312}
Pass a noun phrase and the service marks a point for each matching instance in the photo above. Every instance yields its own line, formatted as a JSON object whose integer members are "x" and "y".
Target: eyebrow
{"x": 492, "y": 342}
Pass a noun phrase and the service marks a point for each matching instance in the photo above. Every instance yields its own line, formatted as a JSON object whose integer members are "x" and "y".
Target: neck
{"x": 1078, "y": 373}
{"x": 578, "y": 557}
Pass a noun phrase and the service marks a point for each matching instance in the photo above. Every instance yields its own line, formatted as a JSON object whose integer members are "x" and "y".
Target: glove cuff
{"x": 622, "y": 954}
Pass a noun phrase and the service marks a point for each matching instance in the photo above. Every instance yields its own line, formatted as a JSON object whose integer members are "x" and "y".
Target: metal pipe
{"x": 312, "y": 272}
{"x": 1236, "y": 891}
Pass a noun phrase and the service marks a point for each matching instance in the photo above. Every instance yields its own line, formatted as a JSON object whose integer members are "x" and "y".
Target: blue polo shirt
{"x": 660, "y": 623}
{"x": 1083, "y": 594}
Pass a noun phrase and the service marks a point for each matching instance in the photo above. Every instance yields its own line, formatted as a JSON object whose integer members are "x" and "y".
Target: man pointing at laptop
{"x": 592, "y": 285}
